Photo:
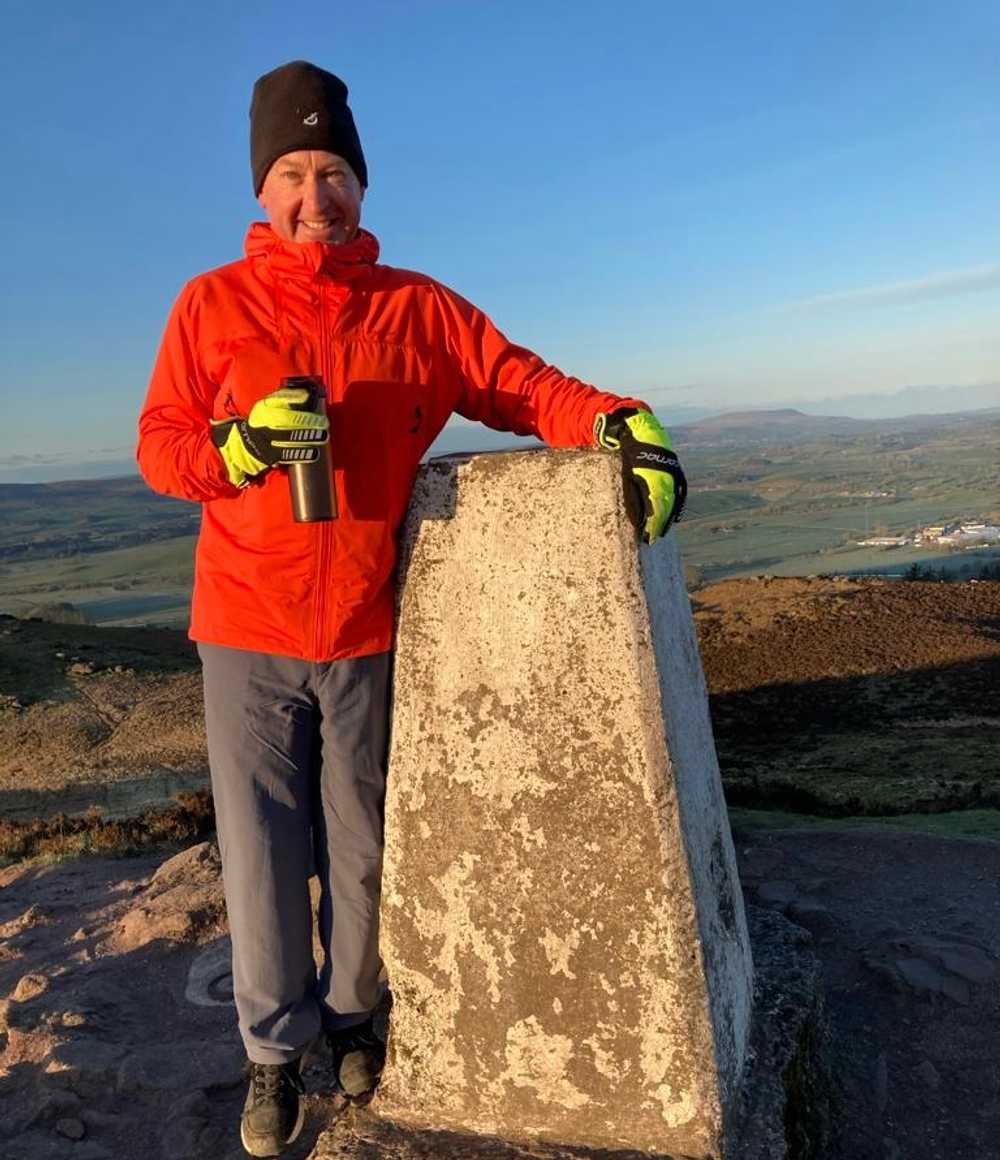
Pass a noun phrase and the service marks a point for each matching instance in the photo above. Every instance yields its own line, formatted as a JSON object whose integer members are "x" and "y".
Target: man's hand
{"x": 277, "y": 431}
{"x": 655, "y": 487}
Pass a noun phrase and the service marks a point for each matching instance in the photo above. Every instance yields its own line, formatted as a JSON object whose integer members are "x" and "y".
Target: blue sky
{"x": 711, "y": 204}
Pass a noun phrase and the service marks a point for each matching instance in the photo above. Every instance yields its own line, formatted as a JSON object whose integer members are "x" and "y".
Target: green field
{"x": 147, "y": 584}
{"x": 788, "y": 497}
{"x": 47, "y": 520}
{"x": 797, "y": 509}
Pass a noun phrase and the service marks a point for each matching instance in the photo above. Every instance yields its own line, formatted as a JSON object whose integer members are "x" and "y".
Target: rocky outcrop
{"x": 184, "y": 900}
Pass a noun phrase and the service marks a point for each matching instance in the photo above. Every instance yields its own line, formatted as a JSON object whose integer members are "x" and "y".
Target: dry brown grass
{"x": 52, "y": 839}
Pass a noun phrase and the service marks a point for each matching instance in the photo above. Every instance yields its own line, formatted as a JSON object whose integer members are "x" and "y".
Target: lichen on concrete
{"x": 788, "y": 1103}
{"x": 561, "y": 920}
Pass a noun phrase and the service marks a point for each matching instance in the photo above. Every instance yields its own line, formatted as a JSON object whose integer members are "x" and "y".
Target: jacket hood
{"x": 307, "y": 259}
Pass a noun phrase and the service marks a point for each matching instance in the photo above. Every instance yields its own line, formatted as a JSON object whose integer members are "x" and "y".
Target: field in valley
{"x": 793, "y": 499}
{"x": 771, "y": 492}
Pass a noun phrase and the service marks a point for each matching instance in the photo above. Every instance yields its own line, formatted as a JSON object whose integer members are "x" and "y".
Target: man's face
{"x": 312, "y": 196}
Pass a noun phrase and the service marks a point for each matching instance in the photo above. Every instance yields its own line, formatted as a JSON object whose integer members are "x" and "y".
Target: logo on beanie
{"x": 312, "y": 119}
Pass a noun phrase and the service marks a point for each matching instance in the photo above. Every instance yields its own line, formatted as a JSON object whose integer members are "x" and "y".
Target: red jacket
{"x": 398, "y": 353}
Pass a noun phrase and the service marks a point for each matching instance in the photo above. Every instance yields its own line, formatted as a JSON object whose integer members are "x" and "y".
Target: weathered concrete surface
{"x": 562, "y": 923}
{"x": 788, "y": 1104}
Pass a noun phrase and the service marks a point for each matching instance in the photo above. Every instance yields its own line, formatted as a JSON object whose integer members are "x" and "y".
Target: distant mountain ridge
{"x": 787, "y": 417}
{"x": 790, "y": 424}
{"x": 841, "y": 414}
{"x": 908, "y": 401}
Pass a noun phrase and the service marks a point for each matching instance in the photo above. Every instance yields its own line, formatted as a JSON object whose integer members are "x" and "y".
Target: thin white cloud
{"x": 37, "y": 460}
{"x": 45, "y": 458}
{"x": 943, "y": 285}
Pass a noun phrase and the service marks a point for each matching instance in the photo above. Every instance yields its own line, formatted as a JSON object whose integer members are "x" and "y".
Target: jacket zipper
{"x": 323, "y": 529}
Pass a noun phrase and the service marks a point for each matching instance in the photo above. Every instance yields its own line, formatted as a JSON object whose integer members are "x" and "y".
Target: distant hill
{"x": 908, "y": 406}
{"x": 778, "y": 491}
{"x": 909, "y": 401}
{"x": 784, "y": 424}
{"x": 19, "y": 469}
{"x": 464, "y": 436}
{"x": 70, "y": 517}
{"x": 787, "y": 424}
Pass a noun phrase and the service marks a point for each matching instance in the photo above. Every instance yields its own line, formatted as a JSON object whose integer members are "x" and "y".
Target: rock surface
{"x": 912, "y": 1077}
{"x": 909, "y": 959}
{"x": 184, "y": 899}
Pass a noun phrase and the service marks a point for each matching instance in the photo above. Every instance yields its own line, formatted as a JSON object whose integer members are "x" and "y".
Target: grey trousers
{"x": 297, "y": 752}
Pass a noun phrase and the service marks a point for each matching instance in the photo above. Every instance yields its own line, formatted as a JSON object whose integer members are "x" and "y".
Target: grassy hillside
{"x": 80, "y": 517}
{"x": 854, "y": 697}
{"x": 762, "y": 501}
{"x": 836, "y": 698}
{"x": 146, "y": 584}
{"x": 771, "y": 492}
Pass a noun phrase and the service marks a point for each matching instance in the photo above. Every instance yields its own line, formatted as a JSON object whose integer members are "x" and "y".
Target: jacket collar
{"x": 344, "y": 263}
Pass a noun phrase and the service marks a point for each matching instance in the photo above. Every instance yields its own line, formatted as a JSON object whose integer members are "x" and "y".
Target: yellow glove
{"x": 278, "y": 430}
{"x": 655, "y": 487}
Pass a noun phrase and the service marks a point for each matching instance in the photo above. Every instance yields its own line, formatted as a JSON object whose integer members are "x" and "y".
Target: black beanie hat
{"x": 300, "y": 106}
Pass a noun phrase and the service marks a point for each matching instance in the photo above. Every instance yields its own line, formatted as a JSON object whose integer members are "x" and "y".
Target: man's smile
{"x": 312, "y": 195}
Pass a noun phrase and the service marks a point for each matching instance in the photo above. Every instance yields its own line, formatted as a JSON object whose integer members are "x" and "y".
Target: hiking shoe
{"x": 358, "y": 1059}
{"x": 272, "y": 1114}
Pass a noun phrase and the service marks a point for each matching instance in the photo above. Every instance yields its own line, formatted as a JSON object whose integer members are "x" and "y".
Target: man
{"x": 294, "y": 620}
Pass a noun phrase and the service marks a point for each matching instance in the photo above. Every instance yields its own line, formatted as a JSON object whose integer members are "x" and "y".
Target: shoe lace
{"x": 268, "y": 1079}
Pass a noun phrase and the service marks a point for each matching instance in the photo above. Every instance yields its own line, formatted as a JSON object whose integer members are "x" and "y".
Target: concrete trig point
{"x": 562, "y": 922}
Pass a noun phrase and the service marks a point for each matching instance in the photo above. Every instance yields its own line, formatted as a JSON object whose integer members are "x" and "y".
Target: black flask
{"x": 311, "y": 482}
